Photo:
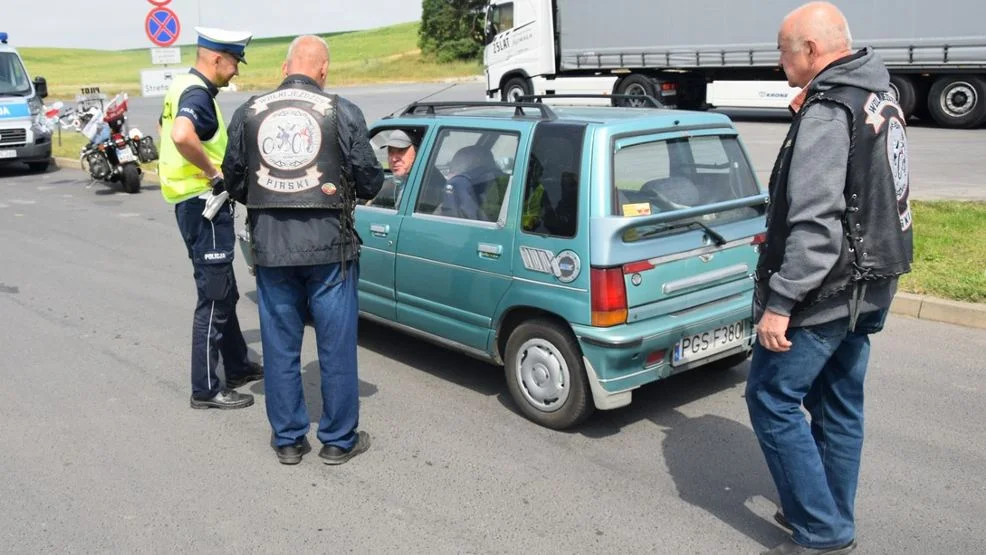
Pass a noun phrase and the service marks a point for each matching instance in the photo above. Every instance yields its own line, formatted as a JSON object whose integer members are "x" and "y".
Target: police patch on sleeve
{"x": 899, "y": 169}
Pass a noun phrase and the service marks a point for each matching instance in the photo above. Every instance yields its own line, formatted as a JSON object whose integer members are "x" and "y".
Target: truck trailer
{"x": 936, "y": 53}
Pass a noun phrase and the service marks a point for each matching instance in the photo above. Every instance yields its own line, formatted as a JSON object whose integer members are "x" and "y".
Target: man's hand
{"x": 772, "y": 332}
{"x": 217, "y": 184}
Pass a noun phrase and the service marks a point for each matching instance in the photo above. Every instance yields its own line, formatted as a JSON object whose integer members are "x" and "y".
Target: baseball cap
{"x": 397, "y": 139}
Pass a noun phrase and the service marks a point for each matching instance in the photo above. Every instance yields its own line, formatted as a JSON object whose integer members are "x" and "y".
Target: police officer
{"x": 193, "y": 142}
{"x": 298, "y": 158}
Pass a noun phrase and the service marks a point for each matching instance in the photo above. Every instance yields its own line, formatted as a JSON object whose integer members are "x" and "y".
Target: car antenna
{"x": 421, "y": 99}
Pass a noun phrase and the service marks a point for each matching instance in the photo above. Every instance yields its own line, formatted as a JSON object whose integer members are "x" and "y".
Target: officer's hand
{"x": 217, "y": 184}
{"x": 772, "y": 332}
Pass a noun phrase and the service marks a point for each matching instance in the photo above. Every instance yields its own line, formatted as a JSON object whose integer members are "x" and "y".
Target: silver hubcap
{"x": 543, "y": 375}
{"x": 959, "y": 99}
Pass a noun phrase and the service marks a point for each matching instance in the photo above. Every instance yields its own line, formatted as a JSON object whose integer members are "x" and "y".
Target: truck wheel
{"x": 515, "y": 87}
{"x": 958, "y": 101}
{"x": 130, "y": 177}
{"x": 903, "y": 88}
{"x": 635, "y": 85}
{"x": 545, "y": 374}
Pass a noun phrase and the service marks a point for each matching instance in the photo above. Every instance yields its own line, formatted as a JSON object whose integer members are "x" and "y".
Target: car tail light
{"x": 759, "y": 239}
{"x": 609, "y": 297}
{"x": 669, "y": 86}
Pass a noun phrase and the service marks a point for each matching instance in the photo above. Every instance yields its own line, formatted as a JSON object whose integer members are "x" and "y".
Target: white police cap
{"x": 221, "y": 40}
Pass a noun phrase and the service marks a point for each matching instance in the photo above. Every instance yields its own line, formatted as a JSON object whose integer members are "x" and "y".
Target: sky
{"x": 120, "y": 24}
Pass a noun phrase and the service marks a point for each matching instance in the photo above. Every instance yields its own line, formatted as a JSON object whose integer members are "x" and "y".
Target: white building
{"x": 120, "y": 24}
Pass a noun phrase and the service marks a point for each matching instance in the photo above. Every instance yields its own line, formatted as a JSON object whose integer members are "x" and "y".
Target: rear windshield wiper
{"x": 718, "y": 239}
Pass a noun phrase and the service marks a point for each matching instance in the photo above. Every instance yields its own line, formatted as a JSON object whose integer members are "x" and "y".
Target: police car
{"x": 24, "y": 136}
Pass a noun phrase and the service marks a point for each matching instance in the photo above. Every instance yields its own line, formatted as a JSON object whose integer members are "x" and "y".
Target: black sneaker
{"x": 291, "y": 454}
{"x": 251, "y": 373}
{"x": 335, "y": 455}
{"x": 225, "y": 399}
{"x": 791, "y": 548}
{"x": 782, "y": 520}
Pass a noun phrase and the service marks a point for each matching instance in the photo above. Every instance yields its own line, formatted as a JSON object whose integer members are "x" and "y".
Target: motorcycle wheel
{"x": 130, "y": 177}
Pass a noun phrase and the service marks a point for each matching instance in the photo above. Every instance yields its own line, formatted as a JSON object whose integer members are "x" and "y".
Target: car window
{"x": 551, "y": 190}
{"x": 468, "y": 175}
{"x": 652, "y": 176}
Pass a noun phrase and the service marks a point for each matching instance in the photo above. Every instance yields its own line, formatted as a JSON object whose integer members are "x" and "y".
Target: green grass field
{"x": 387, "y": 54}
{"x": 949, "y": 251}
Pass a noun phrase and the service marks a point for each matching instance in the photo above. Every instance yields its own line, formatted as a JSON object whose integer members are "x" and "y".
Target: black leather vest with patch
{"x": 293, "y": 155}
{"x": 877, "y": 240}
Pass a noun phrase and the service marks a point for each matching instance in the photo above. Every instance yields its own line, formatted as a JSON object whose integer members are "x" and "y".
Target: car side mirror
{"x": 41, "y": 87}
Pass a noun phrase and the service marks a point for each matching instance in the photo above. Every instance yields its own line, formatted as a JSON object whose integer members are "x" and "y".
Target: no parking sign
{"x": 161, "y": 24}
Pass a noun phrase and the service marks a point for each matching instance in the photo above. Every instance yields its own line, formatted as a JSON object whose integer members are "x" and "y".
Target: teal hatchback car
{"x": 587, "y": 250}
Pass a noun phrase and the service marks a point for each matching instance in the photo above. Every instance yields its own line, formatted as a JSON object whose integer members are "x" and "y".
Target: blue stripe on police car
{"x": 17, "y": 109}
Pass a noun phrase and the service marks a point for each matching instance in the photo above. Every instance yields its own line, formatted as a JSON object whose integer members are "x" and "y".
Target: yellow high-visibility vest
{"x": 180, "y": 179}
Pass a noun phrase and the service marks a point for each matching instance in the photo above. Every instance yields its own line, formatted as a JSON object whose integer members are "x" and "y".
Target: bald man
{"x": 838, "y": 237}
{"x": 298, "y": 158}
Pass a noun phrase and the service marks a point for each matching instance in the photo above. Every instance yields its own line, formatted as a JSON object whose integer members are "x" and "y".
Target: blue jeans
{"x": 286, "y": 295}
{"x": 814, "y": 466}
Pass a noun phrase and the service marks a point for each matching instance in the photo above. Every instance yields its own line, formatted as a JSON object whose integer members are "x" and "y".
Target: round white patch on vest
{"x": 289, "y": 139}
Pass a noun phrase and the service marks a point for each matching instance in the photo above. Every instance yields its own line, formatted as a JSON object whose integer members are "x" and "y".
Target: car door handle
{"x": 380, "y": 230}
{"x": 487, "y": 250}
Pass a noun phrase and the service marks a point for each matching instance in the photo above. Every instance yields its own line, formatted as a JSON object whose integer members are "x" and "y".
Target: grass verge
{"x": 949, "y": 251}
{"x": 387, "y": 54}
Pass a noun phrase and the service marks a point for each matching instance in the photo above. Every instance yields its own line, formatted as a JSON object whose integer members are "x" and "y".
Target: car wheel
{"x": 546, "y": 376}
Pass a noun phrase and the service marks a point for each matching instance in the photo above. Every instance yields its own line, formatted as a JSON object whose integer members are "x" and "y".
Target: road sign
{"x": 162, "y": 26}
{"x": 166, "y": 56}
{"x": 155, "y": 82}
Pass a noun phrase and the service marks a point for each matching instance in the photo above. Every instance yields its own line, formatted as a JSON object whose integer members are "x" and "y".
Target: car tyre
{"x": 546, "y": 376}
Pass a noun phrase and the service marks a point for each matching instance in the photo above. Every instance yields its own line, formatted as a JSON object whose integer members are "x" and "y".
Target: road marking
{"x": 19, "y": 201}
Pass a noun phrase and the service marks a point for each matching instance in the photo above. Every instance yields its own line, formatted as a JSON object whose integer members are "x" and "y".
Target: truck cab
{"x": 24, "y": 135}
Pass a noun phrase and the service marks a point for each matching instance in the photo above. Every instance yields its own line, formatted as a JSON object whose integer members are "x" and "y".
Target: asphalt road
{"x": 944, "y": 163}
{"x": 99, "y": 451}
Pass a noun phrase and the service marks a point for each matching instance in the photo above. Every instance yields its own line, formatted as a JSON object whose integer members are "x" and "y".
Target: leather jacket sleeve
{"x": 235, "y": 160}
{"x": 365, "y": 170}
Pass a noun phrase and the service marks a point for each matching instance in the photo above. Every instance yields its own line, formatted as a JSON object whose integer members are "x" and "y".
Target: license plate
{"x": 705, "y": 344}
{"x": 8, "y": 154}
{"x": 125, "y": 155}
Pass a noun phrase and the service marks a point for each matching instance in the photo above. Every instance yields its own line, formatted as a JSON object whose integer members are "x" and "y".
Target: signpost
{"x": 163, "y": 28}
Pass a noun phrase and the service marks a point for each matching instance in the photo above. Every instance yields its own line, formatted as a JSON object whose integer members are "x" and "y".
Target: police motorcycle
{"x": 114, "y": 152}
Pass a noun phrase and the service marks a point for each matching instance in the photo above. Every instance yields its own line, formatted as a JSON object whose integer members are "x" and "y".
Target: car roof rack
{"x": 430, "y": 108}
{"x": 537, "y": 98}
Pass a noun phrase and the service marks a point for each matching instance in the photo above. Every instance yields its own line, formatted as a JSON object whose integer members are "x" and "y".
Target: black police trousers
{"x": 215, "y": 328}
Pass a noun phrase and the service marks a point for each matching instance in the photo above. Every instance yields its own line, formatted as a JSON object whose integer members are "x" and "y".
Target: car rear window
{"x": 665, "y": 175}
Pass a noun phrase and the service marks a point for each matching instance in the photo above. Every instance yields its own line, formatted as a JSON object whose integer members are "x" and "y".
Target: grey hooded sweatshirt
{"x": 816, "y": 184}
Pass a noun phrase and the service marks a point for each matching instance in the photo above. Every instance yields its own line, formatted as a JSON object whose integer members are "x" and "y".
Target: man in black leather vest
{"x": 838, "y": 236}
{"x": 299, "y": 158}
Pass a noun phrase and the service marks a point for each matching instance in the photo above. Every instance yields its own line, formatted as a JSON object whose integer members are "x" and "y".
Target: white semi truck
{"x": 936, "y": 52}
